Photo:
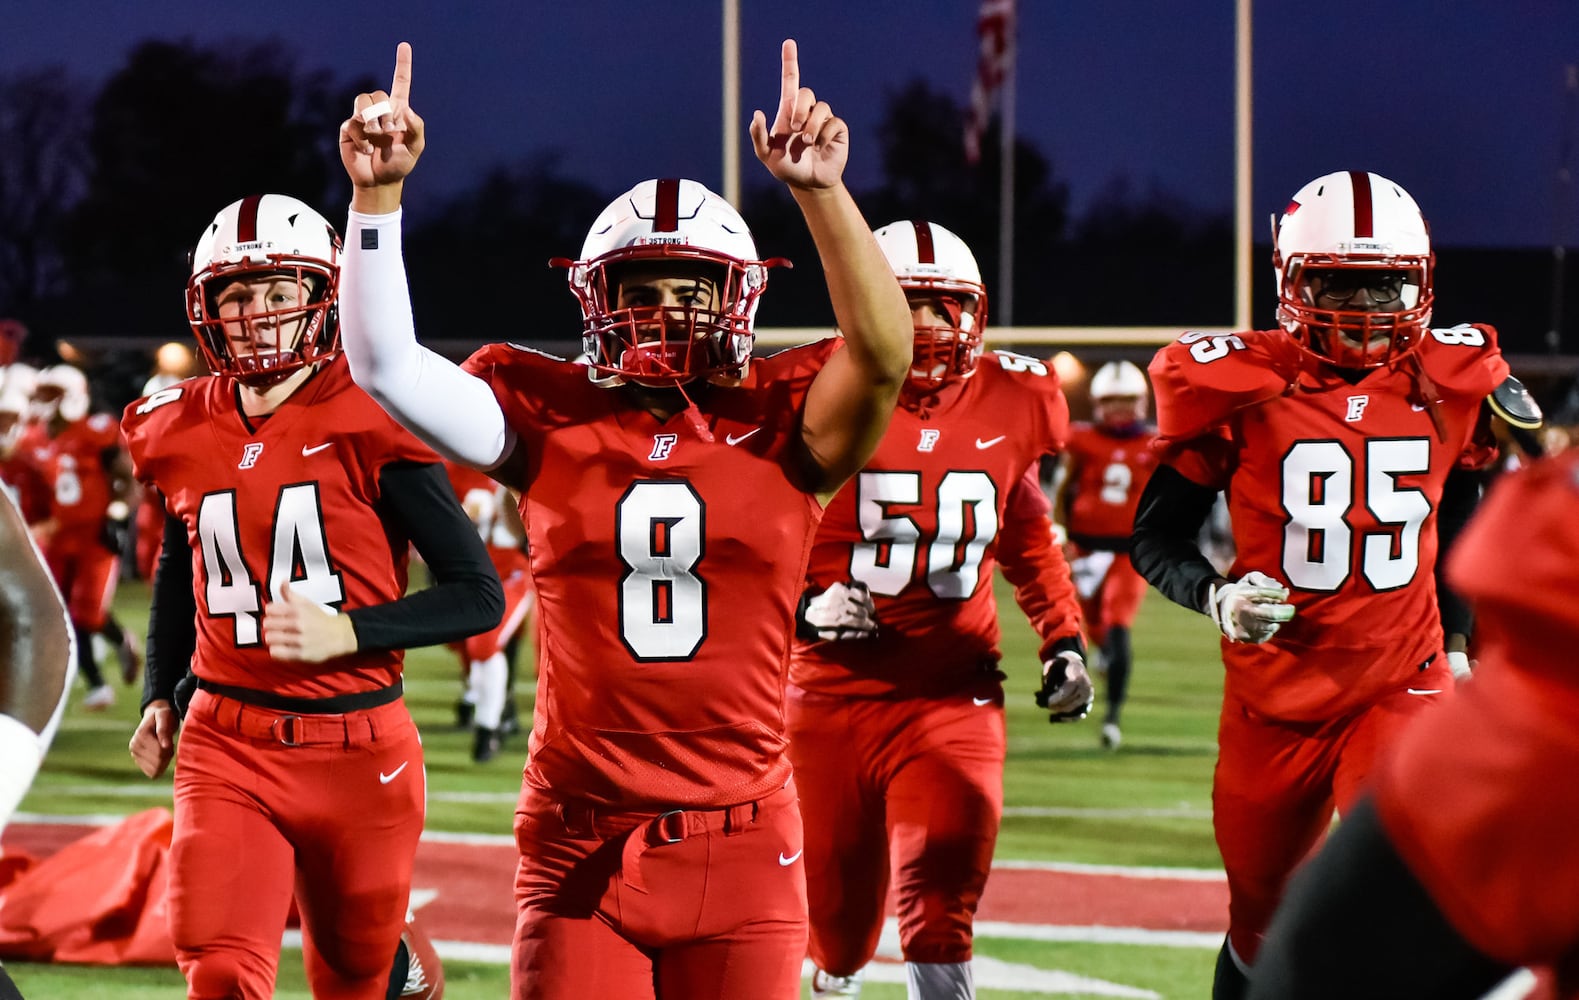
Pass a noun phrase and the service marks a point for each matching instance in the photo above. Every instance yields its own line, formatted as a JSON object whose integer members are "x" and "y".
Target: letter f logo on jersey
{"x": 929, "y": 439}
{"x": 1356, "y": 408}
{"x": 662, "y": 444}
{"x": 249, "y": 454}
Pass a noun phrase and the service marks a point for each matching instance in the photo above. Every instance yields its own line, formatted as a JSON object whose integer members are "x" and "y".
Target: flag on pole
{"x": 994, "y": 38}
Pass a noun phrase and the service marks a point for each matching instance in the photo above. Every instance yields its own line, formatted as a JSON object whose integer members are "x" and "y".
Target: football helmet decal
{"x": 932, "y": 264}
{"x": 668, "y": 229}
{"x": 60, "y": 390}
{"x": 1346, "y": 235}
{"x": 258, "y": 237}
{"x": 1118, "y": 394}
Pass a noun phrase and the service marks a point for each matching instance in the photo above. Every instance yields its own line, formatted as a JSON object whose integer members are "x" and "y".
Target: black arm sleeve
{"x": 1163, "y": 547}
{"x": 1460, "y": 496}
{"x": 466, "y": 597}
{"x": 172, "y": 616}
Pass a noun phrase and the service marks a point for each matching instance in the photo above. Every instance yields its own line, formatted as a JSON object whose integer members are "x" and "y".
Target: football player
{"x": 292, "y": 501}
{"x": 1347, "y": 441}
{"x": 895, "y": 701}
{"x": 670, "y": 486}
{"x": 85, "y": 480}
{"x": 484, "y": 657}
{"x": 1461, "y": 865}
{"x": 1105, "y": 466}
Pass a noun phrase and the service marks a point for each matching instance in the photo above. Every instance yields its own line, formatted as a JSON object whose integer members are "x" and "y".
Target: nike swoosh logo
{"x": 731, "y": 439}
{"x": 982, "y": 701}
{"x": 786, "y": 862}
{"x": 313, "y": 451}
{"x": 1416, "y": 407}
{"x": 384, "y": 779}
{"x": 1425, "y": 690}
{"x": 990, "y": 442}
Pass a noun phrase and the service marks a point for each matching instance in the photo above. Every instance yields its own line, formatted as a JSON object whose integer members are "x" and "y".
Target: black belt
{"x": 335, "y": 705}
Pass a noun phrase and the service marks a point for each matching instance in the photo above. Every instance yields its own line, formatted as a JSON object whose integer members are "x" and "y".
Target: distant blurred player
{"x": 77, "y": 458}
{"x": 1106, "y": 464}
{"x": 484, "y": 657}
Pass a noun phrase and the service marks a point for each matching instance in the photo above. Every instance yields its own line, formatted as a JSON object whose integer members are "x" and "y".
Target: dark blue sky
{"x": 1461, "y": 102}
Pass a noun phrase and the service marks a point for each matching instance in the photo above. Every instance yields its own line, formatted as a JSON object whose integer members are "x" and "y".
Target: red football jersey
{"x": 1107, "y": 473}
{"x": 71, "y": 470}
{"x": 1518, "y": 561}
{"x": 1333, "y": 490}
{"x": 920, "y": 525}
{"x": 294, "y": 501}
{"x": 667, "y": 569}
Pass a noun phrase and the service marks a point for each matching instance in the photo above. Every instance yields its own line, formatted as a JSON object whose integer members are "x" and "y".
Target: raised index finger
{"x": 789, "y": 85}
{"x": 400, "y": 88}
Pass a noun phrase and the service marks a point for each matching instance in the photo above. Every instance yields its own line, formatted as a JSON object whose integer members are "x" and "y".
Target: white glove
{"x": 1251, "y": 609}
{"x": 843, "y": 611}
{"x": 1066, "y": 688}
{"x": 1458, "y": 662}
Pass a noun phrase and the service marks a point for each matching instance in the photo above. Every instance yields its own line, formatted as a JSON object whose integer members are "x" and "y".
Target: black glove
{"x": 117, "y": 528}
{"x": 843, "y": 611}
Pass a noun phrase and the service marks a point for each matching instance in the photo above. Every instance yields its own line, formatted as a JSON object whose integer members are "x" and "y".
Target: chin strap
{"x": 694, "y": 417}
{"x": 1427, "y": 395}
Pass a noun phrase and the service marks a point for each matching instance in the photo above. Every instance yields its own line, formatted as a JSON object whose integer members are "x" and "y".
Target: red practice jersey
{"x": 1333, "y": 490}
{"x": 74, "y": 481}
{"x": 921, "y": 524}
{"x": 294, "y": 501}
{"x": 1107, "y": 471}
{"x": 667, "y": 569}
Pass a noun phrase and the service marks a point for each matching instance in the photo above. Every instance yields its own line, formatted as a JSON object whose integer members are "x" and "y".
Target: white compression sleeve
{"x": 452, "y": 410}
{"x": 21, "y": 750}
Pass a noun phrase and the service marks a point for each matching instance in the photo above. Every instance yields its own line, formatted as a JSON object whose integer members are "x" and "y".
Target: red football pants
{"x": 329, "y": 807}
{"x": 1277, "y": 783}
{"x": 686, "y": 905}
{"x": 912, "y": 787}
{"x": 86, "y": 573}
{"x": 1116, "y": 601}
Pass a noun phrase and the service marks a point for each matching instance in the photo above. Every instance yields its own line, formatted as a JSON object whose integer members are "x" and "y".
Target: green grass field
{"x": 1147, "y": 804}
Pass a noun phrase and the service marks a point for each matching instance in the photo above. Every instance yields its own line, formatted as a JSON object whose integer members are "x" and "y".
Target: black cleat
{"x": 485, "y": 745}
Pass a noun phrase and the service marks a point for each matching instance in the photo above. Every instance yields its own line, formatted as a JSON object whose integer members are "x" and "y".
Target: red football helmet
{"x": 674, "y": 226}
{"x": 1354, "y": 230}
{"x": 258, "y": 237}
{"x": 932, "y": 263}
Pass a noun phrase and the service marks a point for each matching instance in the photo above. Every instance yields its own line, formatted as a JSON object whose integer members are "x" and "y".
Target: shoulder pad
{"x": 1202, "y": 379}
{"x": 1463, "y": 360}
{"x": 1513, "y": 403}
